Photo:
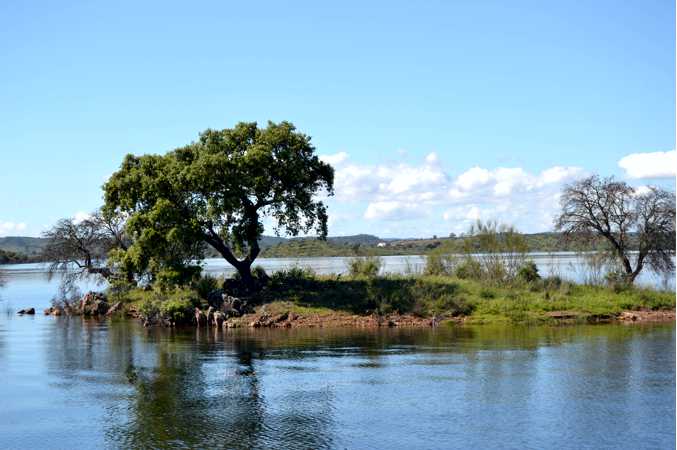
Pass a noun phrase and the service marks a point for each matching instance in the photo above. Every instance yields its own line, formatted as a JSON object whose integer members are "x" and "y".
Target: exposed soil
{"x": 331, "y": 320}
{"x": 647, "y": 316}
{"x": 338, "y": 319}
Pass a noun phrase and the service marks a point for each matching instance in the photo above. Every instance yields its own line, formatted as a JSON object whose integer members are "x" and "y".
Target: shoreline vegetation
{"x": 17, "y": 250}
{"x": 164, "y": 214}
{"x": 456, "y": 291}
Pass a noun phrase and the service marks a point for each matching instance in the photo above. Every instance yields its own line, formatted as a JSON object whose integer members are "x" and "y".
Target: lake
{"x": 74, "y": 383}
{"x": 568, "y": 265}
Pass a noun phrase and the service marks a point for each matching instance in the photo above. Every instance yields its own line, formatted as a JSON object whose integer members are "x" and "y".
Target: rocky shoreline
{"x": 236, "y": 313}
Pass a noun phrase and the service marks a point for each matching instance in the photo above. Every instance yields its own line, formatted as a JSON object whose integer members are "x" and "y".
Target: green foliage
{"x": 216, "y": 191}
{"x": 292, "y": 276}
{"x": 176, "y": 276}
{"x": 529, "y": 272}
{"x": 174, "y": 307}
{"x": 368, "y": 266}
{"x": 9, "y": 257}
{"x": 177, "y": 310}
{"x": 119, "y": 288}
{"x": 259, "y": 273}
{"x": 440, "y": 298}
{"x": 487, "y": 294}
{"x": 207, "y": 284}
{"x": 439, "y": 264}
{"x": 425, "y": 296}
{"x": 617, "y": 280}
{"x": 552, "y": 282}
{"x": 469, "y": 269}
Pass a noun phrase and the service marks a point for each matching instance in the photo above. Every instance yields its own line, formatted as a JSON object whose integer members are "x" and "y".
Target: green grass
{"x": 304, "y": 293}
{"x": 449, "y": 296}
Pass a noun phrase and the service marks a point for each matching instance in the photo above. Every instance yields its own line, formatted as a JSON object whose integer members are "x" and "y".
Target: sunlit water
{"x": 70, "y": 383}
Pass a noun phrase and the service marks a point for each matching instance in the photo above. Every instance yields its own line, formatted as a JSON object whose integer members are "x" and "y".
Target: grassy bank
{"x": 445, "y": 297}
{"x": 448, "y": 297}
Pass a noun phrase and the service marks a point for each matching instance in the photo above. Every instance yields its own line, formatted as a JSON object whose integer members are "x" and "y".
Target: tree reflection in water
{"x": 277, "y": 388}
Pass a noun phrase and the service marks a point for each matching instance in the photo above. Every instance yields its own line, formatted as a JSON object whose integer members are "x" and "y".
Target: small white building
{"x": 381, "y": 244}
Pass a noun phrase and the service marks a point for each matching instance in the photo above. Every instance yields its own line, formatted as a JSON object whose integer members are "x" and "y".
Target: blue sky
{"x": 434, "y": 114}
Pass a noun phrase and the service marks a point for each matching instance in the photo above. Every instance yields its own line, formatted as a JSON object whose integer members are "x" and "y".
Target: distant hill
{"x": 362, "y": 239}
{"x": 30, "y": 246}
{"x": 355, "y": 245}
{"x": 267, "y": 241}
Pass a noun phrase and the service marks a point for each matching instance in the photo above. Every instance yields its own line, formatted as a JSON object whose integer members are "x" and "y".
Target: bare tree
{"x": 78, "y": 249}
{"x": 627, "y": 219}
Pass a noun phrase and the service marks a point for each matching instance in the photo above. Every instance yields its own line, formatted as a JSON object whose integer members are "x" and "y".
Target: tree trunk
{"x": 244, "y": 268}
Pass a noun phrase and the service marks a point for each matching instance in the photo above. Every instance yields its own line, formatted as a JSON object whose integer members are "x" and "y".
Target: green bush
{"x": 175, "y": 306}
{"x": 618, "y": 281}
{"x": 439, "y": 298}
{"x": 469, "y": 269}
{"x": 529, "y": 272}
{"x": 118, "y": 288}
{"x": 207, "y": 284}
{"x": 292, "y": 277}
{"x": 487, "y": 294}
{"x": 438, "y": 264}
{"x": 169, "y": 278}
{"x": 367, "y": 267}
{"x": 178, "y": 306}
{"x": 177, "y": 311}
{"x": 259, "y": 274}
{"x": 149, "y": 308}
{"x": 552, "y": 283}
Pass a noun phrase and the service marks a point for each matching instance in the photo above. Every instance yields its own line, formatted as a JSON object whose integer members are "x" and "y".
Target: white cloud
{"x": 650, "y": 165}
{"x": 432, "y": 158}
{"x": 392, "y": 210}
{"x": 335, "y": 159}
{"x": 508, "y": 179}
{"x": 504, "y": 180}
{"x": 472, "y": 178}
{"x": 410, "y": 182}
{"x": 8, "y": 228}
{"x": 641, "y": 190}
{"x": 81, "y": 216}
{"x": 473, "y": 213}
{"x": 558, "y": 174}
{"x": 425, "y": 198}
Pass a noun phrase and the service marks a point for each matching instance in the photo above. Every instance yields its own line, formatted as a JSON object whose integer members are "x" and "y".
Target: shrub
{"x": 149, "y": 309}
{"x": 439, "y": 298}
{"x": 207, "y": 284}
{"x": 469, "y": 268}
{"x": 552, "y": 282}
{"x": 259, "y": 274}
{"x": 177, "y": 311}
{"x": 368, "y": 266}
{"x": 487, "y": 294}
{"x": 438, "y": 264}
{"x": 169, "y": 278}
{"x": 617, "y": 281}
{"x": 173, "y": 307}
{"x": 292, "y": 277}
{"x": 529, "y": 272}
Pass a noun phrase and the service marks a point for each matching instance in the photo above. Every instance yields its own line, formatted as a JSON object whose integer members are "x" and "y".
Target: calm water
{"x": 567, "y": 265}
{"x": 69, "y": 383}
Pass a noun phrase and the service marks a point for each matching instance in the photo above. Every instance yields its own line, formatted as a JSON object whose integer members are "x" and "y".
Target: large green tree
{"x": 217, "y": 191}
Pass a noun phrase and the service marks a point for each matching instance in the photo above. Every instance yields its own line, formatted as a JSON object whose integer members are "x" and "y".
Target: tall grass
{"x": 366, "y": 267}
{"x": 492, "y": 252}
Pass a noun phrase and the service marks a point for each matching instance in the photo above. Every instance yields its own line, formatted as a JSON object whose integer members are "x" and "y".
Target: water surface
{"x": 74, "y": 383}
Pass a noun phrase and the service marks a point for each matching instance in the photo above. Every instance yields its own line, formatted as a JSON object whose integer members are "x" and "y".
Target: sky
{"x": 433, "y": 114}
